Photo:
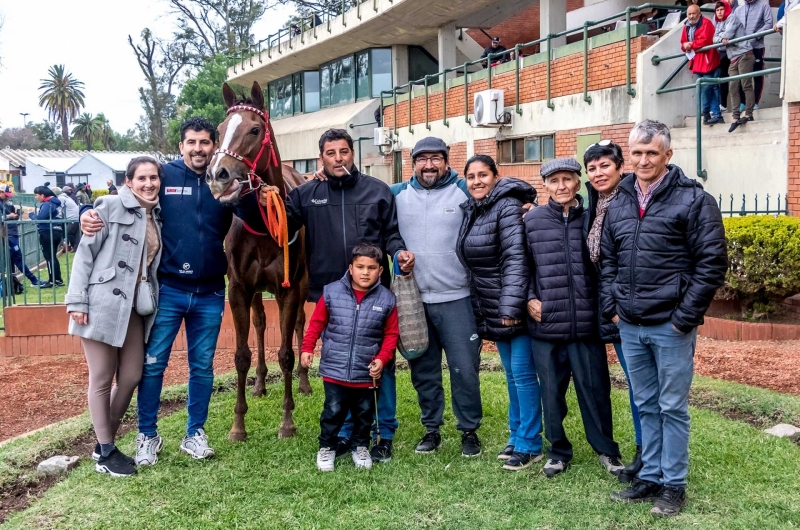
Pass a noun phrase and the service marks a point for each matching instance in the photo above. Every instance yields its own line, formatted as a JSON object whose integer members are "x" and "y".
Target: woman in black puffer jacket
{"x": 491, "y": 245}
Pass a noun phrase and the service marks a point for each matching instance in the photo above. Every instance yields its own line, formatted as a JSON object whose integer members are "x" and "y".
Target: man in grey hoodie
{"x": 430, "y": 218}
{"x": 755, "y": 16}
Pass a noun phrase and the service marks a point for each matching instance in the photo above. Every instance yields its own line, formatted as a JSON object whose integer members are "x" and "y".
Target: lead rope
{"x": 278, "y": 228}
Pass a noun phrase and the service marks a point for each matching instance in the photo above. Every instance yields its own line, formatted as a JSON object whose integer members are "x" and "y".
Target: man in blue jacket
{"x": 192, "y": 288}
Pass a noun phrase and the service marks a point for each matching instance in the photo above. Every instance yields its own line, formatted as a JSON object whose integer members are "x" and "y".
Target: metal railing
{"x": 743, "y": 210}
{"x": 517, "y": 59}
{"x": 698, "y": 85}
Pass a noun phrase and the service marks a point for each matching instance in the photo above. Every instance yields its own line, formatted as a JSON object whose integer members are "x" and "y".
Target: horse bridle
{"x": 253, "y": 181}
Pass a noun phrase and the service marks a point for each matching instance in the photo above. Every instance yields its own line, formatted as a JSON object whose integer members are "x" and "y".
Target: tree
{"x": 19, "y": 138}
{"x": 63, "y": 98}
{"x": 107, "y": 136}
{"x": 87, "y": 129}
{"x": 160, "y": 63}
{"x": 47, "y": 134}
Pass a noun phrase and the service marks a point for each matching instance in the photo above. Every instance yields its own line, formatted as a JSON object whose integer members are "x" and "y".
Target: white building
{"x": 39, "y": 169}
{"x": 99, "y": 168}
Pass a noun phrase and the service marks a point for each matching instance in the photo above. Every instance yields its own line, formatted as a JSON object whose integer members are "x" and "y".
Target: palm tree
{"x": 63, "y": 98}
{"x": 87, "y": 128}
{"x": 106, "y": 133}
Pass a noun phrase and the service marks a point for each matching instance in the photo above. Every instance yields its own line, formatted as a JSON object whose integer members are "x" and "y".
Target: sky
{"x": 90, "y": 37}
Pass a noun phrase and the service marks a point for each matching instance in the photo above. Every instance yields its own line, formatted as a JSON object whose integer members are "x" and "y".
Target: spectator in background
{"x": 786, "y": 7}
{"x": 722, "y": 11}
{"x": 112, "y": 190}
{"x": 494, "y": 48}
{"x": 698, "y": 32}
{"x": 683, "y": 12}
{"x": 663, "y": 256}
{"x": 756, "y": 16}
{"x": 70, "y": 211}
{"x": 11, "y": 213}
{"x": 69, "y": 189}
{"x": 50, "y": 234}
{"x": 742, "y": 60}
{"x": 83, "y": 195}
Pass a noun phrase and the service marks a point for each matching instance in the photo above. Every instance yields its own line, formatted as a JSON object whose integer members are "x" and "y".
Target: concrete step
{"x": 774, "y": 113}
{"x": 719, "y": 138}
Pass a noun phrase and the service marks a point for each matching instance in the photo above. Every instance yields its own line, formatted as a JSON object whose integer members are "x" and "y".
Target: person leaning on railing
{"x": 50, "y": 234}
{"x": 112, "y": 302}
{"x": 698, "y": 32}
{"x": 781, "y": 23}
{"x": 755, "y": 16}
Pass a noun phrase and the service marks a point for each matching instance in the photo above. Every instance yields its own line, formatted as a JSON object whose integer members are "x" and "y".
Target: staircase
{"x": 751, "y": 160}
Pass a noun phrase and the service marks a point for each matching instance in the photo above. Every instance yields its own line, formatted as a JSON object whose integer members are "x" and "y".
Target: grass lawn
{"x": 740, "y": 478}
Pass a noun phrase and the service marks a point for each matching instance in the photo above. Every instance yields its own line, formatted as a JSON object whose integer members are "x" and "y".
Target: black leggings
{"x": 49, "y": 250}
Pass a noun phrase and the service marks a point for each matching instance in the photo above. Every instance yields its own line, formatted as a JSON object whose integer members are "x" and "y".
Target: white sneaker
{"x": 611, "y": 463}
{"x": 147, "y": 449}
{"x": 361, "y": 458}
{"x": 325, "y": 459}
{"x": 197, "y": 446}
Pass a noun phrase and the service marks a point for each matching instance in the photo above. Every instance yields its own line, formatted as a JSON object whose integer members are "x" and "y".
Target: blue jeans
{"x": 524, "y": 399}
{"x": 661, "y": 364}
{"x": 387, "y": 408}
{"x": 709, "y": 95}
{"x": 637, "y": 424}
{"x": 203, "y": 316}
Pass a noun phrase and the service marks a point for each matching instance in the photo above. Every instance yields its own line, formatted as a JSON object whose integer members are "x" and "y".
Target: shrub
{"x": 96, "y": 194}
{"x": 764, "y": 254}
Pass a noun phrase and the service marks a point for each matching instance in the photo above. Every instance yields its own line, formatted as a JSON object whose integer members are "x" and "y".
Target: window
{"x": 305, "y": 166}
{"x": 280, "y": 97}
{"x": 531, "y": 149}
{"x": 297, "y": 93}
{"x": 310, "y": 91}
{"x": 420, "y": 63}
{"x": 325, "y": 86}
{"x": 362, "y": 75}
{"x": 381, "y": 64}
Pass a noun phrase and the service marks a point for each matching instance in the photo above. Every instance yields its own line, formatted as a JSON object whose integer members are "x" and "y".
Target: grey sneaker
{"x": 554, "y": 467}
{"x": 361, "y": 458}
{"x": 147, "y": 449}
{"x": 197, "y": 446}
{"x": 325, "y": 459}
{"x": 611, "y": 463}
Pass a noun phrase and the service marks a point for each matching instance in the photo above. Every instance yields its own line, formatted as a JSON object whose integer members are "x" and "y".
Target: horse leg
{"x": 240, "y": 300}
{"x": 288, "y": 302}
{"x": 260, "y": 324}
{"x": 299, "y": 329}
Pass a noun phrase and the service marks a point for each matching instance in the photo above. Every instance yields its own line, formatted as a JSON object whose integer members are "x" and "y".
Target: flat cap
{"x": 430, "y": 144}
{"x": 560, "y": 164}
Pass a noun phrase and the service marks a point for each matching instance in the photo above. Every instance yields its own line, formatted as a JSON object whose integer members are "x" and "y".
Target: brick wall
{"x": 793, "y": 147}
{"x": 606, "y": 70}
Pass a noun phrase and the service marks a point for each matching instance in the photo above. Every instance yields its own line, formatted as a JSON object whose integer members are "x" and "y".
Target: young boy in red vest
{"x": 357, "y": 319}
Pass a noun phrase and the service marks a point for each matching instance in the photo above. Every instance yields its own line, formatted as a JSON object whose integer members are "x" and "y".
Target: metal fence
{"x": 752, "y": 208}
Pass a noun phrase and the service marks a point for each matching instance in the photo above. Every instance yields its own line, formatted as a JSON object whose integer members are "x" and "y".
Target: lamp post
{"x": 24, "y": 120}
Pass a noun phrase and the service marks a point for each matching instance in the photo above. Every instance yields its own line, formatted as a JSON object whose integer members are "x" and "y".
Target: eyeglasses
{"x": 435, "y": 160}
{"x": 601, "y": 143}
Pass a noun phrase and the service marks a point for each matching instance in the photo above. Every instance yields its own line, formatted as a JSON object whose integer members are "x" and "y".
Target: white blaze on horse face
{"x": 234, "y": 122}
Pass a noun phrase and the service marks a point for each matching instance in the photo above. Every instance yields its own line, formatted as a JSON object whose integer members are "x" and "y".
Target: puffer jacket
{"x": 491, "y": 245}
{"x": 563, "y": 277}
{"x": 105, "y": 270}
{"x": 48, "y": 211}
{"x": 354, "y": 334}
{"x": 666, "y": 265}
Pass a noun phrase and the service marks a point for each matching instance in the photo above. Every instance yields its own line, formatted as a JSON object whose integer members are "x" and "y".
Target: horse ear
{"x": 228, "y": 95}
{"x": 257, "y": 95}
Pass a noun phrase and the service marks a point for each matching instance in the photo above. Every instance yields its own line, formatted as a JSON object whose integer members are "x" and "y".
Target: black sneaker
{"x": 470, "y": 445}
{"x": 381, "y": 451}
{"x": 715, "y": 120}
{"x": 520, "y": 461}
{"x": 96, "y": 455}
{"x": 429, "y": 443}
{"x": 44, "y": 285}
{"x": 506, "y": 453}
{"x": 58, "y": 283}
{"x": 343, "y": 447}
{"x": 115, "y": 465}
{"x": 706, "y": 118}
{"x": 670, "y": 502}
{"x": 639, "y": 491}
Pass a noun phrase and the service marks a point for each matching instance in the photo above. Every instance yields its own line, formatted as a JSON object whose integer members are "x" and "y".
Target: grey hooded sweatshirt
{"x": 755, "y": 16}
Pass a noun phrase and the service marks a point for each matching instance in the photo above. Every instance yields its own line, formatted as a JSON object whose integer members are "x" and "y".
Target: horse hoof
{"x": 237, "y": 436}
{"x": 286, "y": 432}
{"x": 259, "y": 391}
{"x": 304, "y": 388}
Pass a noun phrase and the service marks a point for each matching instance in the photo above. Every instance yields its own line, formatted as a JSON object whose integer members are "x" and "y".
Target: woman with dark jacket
{"x": 603, "y": 162}
{"x": 50, "y": 234}
{"x": 562, "y": 304}
{"x": 491, "y": 246}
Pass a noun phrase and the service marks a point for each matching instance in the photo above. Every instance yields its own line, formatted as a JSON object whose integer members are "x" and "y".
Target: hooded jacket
{"x": 755, "y": 16}
{"x": 339, "y": 213}
{"x": 69, "y": 208}
{"x": 731, "y": 28}
{"x": 491, "y": 245}
{"x": 11, "y": 230}
{"x": 702, "y": 62}
{"x": 429, "y": 221}
{"x": 719, "y": 28}
{"x": 49, "y": 210}
{"x": 665, "y": 265}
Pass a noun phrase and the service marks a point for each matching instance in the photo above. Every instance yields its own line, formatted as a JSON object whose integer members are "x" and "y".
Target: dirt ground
{"x": 35, "y": 392}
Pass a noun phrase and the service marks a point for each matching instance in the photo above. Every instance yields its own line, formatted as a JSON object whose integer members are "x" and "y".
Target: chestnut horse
{"x": 248, "y": 157}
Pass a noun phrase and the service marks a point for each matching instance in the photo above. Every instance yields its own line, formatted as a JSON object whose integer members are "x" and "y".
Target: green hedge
{"x": 764, "y": 254}
{"x": 96, "y": 194}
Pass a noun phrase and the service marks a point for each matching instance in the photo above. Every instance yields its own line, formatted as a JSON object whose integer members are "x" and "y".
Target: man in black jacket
{"x": 340, "y": 211}
{"x": 663, "y": 256}
{"x": 493, "y": 49}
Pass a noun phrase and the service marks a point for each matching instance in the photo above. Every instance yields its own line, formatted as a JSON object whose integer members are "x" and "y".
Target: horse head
{"x": 247, "y": 155}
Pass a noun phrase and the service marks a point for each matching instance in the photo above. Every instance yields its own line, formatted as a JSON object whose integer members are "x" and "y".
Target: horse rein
{"x": 254, "y": 182}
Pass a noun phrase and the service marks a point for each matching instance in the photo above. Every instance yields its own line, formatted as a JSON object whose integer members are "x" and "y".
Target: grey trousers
{"x": 108, "y": 404}
{"x": 451, "y": 325}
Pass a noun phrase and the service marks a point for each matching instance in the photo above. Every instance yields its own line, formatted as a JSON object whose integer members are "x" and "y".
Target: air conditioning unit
{"x": 489, "y": 109}
{"x": 382, "y": 136}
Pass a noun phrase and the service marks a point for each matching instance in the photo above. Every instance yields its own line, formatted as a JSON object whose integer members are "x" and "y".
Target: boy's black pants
{"x": 339, "y": 400}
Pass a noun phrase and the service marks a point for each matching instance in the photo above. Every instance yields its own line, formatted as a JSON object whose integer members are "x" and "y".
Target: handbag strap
{"x": 144, "y": 255}
{"x": 397, "y": 271}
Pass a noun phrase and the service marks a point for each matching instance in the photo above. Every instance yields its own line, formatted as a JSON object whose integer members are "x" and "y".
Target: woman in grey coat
{"x": 103, "y": 306}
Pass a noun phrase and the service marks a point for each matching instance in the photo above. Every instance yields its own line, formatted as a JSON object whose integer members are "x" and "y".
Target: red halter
{"x": 253, "y": 181}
